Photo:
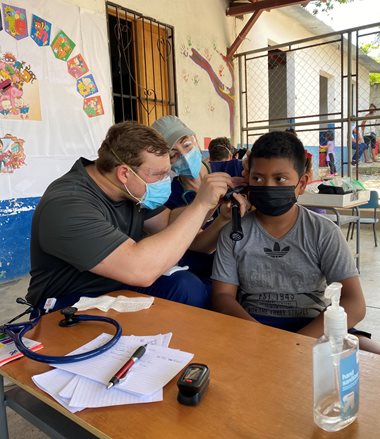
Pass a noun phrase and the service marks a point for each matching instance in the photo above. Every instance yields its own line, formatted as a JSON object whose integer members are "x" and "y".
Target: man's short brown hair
{"x": 219, "y": 149}
{"x": 125, "y": 142}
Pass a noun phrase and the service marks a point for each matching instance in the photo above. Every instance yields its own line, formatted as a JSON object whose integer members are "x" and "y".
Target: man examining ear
{"x": 102, "y": 226}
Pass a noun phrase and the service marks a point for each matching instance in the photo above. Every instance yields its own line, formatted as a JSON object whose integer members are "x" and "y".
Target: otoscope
{"x": 236, "y": 232}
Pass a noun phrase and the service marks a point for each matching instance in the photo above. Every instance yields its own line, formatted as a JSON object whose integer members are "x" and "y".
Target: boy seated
{"x": 278, "y": 272}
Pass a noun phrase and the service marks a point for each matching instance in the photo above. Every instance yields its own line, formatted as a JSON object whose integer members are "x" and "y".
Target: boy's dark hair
{"x": 125, "y": 142}
{"x": 219, "y": 149}
{"x": 280, "y": 144}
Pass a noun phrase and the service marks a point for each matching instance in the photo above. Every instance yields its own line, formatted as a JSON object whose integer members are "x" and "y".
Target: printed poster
{"x": 40, "y": 31}
{"x": 15, "y": 23}
{"x": 20, "y": 98}
{"x": 77, "y": 66}
{"x": 62, "y": 46}
{"x": 12, "y": 154}
{"x": 86, "y": 86}
{"x": 93, "y": 106}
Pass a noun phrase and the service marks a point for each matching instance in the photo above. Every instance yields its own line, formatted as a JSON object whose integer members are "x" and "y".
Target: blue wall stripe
{"x": 15, "y": 224}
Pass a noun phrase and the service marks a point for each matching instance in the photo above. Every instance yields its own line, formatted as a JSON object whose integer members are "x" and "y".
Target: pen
{"x": 120, "y": 374}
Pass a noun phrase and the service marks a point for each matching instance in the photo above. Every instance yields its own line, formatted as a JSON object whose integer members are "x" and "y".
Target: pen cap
{"x": 335, "y": 318}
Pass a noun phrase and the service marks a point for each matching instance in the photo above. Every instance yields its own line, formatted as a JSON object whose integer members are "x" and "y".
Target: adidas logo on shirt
{"x": 277, "y": 252}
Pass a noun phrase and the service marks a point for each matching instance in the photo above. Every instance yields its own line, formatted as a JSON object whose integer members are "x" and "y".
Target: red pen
{"x": 120, "y": 374}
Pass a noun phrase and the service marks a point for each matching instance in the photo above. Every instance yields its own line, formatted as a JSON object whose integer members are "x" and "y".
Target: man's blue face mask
{"x": 156, "y": 193}
{"x": 189, "y": 165}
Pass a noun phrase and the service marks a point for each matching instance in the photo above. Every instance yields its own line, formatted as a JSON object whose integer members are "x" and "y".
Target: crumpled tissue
{"x": 119, "y": 303}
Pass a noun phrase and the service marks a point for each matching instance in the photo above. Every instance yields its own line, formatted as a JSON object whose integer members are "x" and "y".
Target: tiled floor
{"x": 370, "y": 277}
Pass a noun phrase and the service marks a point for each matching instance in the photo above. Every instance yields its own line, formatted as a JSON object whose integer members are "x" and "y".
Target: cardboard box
{"x": 329, "y": 200}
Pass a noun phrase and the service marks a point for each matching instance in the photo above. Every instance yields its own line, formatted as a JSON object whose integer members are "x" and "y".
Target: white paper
{"x": 53, "y": 382}
{"x": 88, "y": 393}
{"x": 174, "y": 269}
{"x": 75, "y": 391}
{"x": 119, "y": 303}
{"x": 67, "y": 392}
{"x": 155, "y": 369}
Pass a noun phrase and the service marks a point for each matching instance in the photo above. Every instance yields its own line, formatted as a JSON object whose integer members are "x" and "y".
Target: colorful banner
{"x": 77, "y": 66}
{"x": 40, "y": 31}
{"x": 51, "y": 113}
{"x": 15, "y": 23}
{"x": 62, "y": 46}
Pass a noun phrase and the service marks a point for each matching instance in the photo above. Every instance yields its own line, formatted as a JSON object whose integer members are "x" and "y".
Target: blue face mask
{"x": 189, "y": 165}
{"x": 156, "y": 194}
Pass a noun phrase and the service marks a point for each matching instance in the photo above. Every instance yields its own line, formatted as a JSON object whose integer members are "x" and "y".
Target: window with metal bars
{"x": 142, "y": 66}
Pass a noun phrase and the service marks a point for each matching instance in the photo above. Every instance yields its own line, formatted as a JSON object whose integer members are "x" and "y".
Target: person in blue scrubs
{"x": 189, "y": 169}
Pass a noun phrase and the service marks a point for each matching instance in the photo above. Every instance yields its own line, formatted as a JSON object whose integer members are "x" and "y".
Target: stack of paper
{"x": 84, "y": 384}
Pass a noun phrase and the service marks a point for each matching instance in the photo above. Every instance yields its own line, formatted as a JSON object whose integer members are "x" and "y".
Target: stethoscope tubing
{"x": 17, "y": 330}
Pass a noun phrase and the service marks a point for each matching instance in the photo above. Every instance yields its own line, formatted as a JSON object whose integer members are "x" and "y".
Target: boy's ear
{"x": 303, "y": 183}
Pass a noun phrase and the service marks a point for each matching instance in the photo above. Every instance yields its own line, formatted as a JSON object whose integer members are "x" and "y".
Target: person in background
{"x": 186, "y": 163}
{"x": 309, "y": 165}
{"x": 103, "y": 227}
{"x": 221, "y": 159}
{"x": 220, "y": 150}
{"x": 358, "y": 145}
{"x": 277, "y": 274}
{"x": 330, "y": 153}
{"x": 291, "y": 131}
{"x": 185, "y": 159}
{"x": 369, "y": 135}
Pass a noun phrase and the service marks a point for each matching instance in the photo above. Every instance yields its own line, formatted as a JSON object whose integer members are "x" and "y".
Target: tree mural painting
{"x": 226, "y": 93}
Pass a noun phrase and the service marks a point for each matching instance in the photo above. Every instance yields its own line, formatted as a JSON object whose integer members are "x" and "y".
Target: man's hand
{"x": 225, "y": 208}
{"x": 212, "y": 189}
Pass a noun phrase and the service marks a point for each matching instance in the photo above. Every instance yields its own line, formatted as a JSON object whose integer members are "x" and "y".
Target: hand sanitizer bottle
{"x": 335, "y": 368}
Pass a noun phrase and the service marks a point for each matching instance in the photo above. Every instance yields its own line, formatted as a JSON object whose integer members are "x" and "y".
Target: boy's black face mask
{"x": 272, "y": 200}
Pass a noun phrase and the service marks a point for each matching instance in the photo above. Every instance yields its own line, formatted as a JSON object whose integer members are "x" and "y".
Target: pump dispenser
{"x": 335, "y": 368}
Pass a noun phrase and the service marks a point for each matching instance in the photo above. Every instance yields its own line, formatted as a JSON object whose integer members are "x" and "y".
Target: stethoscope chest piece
{"x": 70, "y": 318}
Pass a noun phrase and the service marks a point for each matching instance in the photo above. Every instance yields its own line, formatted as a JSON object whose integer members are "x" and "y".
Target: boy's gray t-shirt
{"x": 284, "y": 277}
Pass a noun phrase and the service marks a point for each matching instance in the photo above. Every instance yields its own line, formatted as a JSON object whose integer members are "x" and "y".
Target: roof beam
{"x": 243, "y": 33}
{"x": 241, "y": 9}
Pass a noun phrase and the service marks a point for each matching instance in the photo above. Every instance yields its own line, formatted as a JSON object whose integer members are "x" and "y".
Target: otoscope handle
{"x": 236, "y": 232}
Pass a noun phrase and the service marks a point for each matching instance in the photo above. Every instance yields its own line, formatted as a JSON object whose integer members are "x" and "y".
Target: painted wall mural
{"x": 215, "y": 67}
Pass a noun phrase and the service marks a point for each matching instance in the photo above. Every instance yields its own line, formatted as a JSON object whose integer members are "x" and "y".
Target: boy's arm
{"x": 352, "y": 300}
{"x": 224, "y": 300}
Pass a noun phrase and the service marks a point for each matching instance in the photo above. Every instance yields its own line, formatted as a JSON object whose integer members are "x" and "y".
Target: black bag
{"x": 333, "y": 190}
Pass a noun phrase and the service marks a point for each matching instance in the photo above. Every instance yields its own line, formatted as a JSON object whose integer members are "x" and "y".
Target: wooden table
{"x": 261, "y": 379}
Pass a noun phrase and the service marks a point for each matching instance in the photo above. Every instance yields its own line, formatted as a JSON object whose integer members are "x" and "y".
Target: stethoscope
{"x": 16, "y": 331}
